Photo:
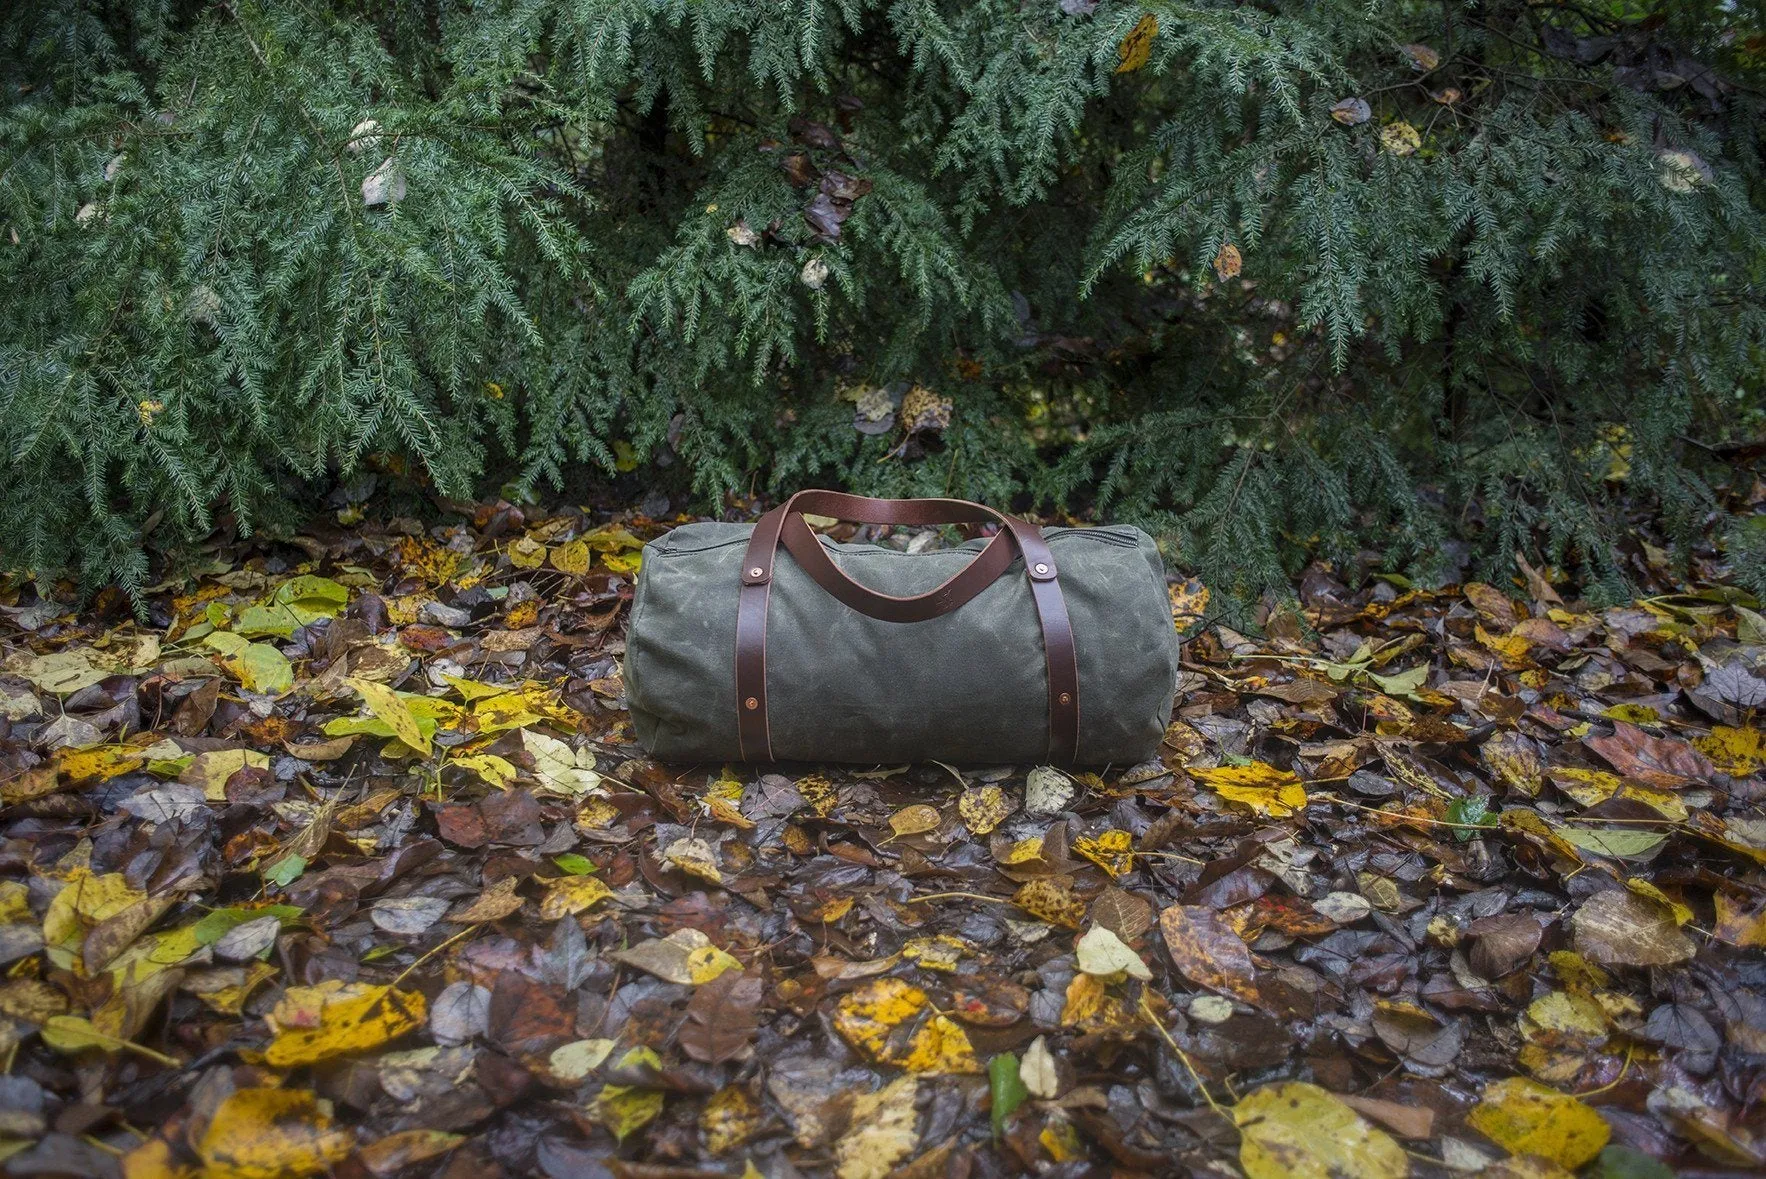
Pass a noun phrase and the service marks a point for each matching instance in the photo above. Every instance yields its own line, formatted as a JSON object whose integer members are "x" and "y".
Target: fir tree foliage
{"x": 1501, "y": 264}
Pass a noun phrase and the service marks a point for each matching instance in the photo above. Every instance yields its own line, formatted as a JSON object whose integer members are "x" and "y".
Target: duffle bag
{"x": 768, "y": 642}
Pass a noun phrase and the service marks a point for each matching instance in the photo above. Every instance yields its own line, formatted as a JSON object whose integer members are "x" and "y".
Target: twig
{"x": 428, "y": 954}
{"x": 1147, "y": 1010}
{"x": 973, "y": 896}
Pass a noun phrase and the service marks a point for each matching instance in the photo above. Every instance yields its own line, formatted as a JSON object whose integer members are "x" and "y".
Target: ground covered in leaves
{"x": 344, "y": 861}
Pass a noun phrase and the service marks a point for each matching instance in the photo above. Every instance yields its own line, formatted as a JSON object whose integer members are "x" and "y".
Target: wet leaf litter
{"x": 345, "y": 862}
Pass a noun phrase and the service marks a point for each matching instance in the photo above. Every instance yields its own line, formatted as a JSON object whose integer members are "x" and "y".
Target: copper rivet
{"x": 752, "y": 703}
{"x": 756, "y": 571}
{"x": 1066, "y": 698}
{"x": 1041, "y": 568}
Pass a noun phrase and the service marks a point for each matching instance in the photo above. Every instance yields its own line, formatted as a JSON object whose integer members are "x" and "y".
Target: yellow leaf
{"x": 577, "y": 1059}
{"x": 729, "y": 1119}
{"x": 386, "y": 704}
{"x": 83, "y": 903}
{"x": 471, "y": 690}
{"x": 573, "y": 558}
{"x": 1560, "y": 1017}
{"x": 882, "y": 1132}
{"x": 1023, "y": 851}
{"x": 337, "y": 1018}
{"x": 258, "y": 667}
{"x": 819, "y": 793}
{"x": 493, "y": 769}
{"x": 1260, "y": 786}
{"x": 624, "y": 564}
{"x": 1061, "y": 1140}
{"x": 1137, "y": 47}
{"x": 984, "y": 808}
{"x": 708, "y": 962}
{"x": 867, "y": 1016}
{"x": 625, "y": 1109}
{"x": 1525, "y": 1117}
{"x": 98, "y": 763}
{"x": 153, "y": 1159}
{"x": 1737, "y": 752}
{"x": 695, "y": 857}
{"x": 1109, "y": 851}
{"x": 914, "y": 820}
{"x": 1401, "y": 139}
{"x": 527, "y": 553}
{"x": 572, "y": 894}
{"x": 211, "y": 770}
{"x": 940, "y": 952}
{"x": 1051, "y": 899}
{"x": 1644, "y": 888}
{"x": 272, "y": 1134}
{"x": 1299, "y": 1131}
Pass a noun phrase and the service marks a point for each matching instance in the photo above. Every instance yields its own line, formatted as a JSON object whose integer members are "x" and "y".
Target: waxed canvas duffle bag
{"x": 769, "y": 642}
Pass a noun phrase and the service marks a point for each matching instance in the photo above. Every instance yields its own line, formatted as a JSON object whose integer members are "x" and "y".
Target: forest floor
{"x": 344, "y": 860}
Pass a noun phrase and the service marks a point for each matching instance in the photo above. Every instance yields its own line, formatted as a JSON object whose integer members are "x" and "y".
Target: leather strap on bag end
{"x": 1016, "y": 538}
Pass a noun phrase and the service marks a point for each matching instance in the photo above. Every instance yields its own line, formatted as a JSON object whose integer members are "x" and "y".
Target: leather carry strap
{"x": 1016, "y": 537}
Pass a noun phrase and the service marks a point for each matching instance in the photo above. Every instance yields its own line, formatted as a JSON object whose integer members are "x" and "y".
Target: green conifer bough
{"x": 1316, "y": 277}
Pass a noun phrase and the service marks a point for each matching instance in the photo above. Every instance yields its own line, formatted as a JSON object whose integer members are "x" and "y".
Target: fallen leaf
{"x": 1525, "y": 1117}
{"x": 1109, "y": 850}
{"x": 1006, "y": 1090}
{"x": 1137, "y": 47}
{"x": 1207, "y": 951}
{"x": 1400, "y": 138}
{"x": 1051, "y": 899}
{"x": 1617, "y": 927}
{"x": 983, "y": 808}
{"x": 867, "y": 1016}
{"x": 1662, "y": 762}
{"x": 271, "y": 1134}
{"x": 1261, "y": 787}
{"x": 685, "y": 956}
{"x": 882, "y": 1131}
{"x": 1038, "y": 1070}
{"x": 1352, "y": 112}
{"x": 1102, "y": 953}
{"x": 561, "y": 769}
{"x": 1300, "y": 1131}
{"x": 914, "y": 820}
{"x": 1227, "y": 261}
{"x": 721, "y": 1018}
{"x": 579, "y": 1058}
{"x": 336, "y": 1018}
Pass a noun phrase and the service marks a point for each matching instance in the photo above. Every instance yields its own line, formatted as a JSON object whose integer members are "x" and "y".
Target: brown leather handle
{"x": 1016, "y": 537}
{"x": 993, "y": 559}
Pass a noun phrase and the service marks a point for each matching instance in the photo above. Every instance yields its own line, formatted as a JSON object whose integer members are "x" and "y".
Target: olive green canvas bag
{"x": 768, "y": 642}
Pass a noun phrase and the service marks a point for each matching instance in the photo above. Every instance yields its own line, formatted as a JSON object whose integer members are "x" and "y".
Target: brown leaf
{"x": 1122, "y": 913}
{"x": 1208, "y": 952}
{"x": 721, "y": 1018}
{"x": 1662, "y": 762}
{"x": 1501, "y": 943}
{"x": 1619, "y": 928}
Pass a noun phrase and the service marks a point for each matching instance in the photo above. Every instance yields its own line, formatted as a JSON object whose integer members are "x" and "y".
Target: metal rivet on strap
{"x": 1066, "y": 698}
{"x": 1041, "y": 567}
{"x": 756, "y": 571}
{"x": 751, "y": 703}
